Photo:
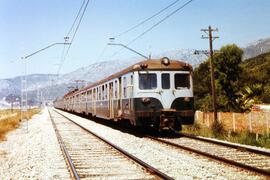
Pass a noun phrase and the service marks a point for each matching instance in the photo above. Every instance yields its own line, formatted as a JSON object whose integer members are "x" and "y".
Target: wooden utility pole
{"x": 211, "y": 39}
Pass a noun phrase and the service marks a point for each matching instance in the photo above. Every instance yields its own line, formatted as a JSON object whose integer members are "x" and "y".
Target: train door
{"x": 94, "y": 101}
{"x": 88, "y": 102}
{"x": 130, "y": 94}
{"x": 119, "y": 100}
{"x": 77, "y": 102}
{"x": 167, "y": 94}
{"x": 90, "y": 105}
{"x": 111, "y": 109}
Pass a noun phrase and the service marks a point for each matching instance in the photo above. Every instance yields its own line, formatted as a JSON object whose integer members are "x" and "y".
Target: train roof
{"x": 150, "y": 64}
{"x": 70, "y": 92}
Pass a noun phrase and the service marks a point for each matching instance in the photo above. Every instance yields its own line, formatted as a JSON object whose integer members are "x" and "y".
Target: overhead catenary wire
{"x": 72, "y": 39}
{"x": 145, "y": 20}
{"x": 159, "y": 22}
{"x": 62, "y": 55}
{"x": 71, "y": 28}
{"x": 153, "y": 26}
{"x": 75, "y": 32}
{"x": 102, "y": 52}
{"x": 75, "y": 20}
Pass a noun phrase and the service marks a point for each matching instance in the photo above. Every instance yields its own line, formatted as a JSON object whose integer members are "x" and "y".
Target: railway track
{"x": 90, "y": 156}
{"x": 250, "y": 159}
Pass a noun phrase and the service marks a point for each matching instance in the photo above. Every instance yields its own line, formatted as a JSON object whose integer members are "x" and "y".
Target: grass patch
{"x": 218, "y": 132}
{"x": 11, "y": 120}
{"x": 250, "y": 139}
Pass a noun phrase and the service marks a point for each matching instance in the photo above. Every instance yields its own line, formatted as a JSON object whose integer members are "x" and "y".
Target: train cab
{"x": 163, "y": 94}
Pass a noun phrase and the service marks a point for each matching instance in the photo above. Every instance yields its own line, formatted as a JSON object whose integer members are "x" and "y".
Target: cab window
{"x": 181, "y": 81}
{"x": 165, "y": 81}
{"x": 148, "y": 81}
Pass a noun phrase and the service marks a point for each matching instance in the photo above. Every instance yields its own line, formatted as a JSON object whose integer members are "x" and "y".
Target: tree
{"x": 248, "y": 96}
{"x": 227, "y": 73}
{"x": 239, "y": 84}
{"x": 202, "y": 87}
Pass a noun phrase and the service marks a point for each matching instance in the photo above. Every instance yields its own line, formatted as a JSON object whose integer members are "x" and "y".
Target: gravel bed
{"x": 176, "y": 163}
{"x": 93, "y": 158}
{"x": 241, "y": 145}
{"x": 249, "y": 158}
{"x": 32, "y": 152}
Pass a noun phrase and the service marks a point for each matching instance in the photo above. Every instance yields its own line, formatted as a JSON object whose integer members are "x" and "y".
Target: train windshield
{"x": 181, "y": 81}
{"x": 165, "y": 81}
{"x": 148, "y": 81}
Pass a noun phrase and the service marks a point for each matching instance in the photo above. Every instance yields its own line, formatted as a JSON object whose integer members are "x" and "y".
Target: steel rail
{"x": 148, "y": 167}
{"x": 230, "y": 162}
{"x": 64, "y": 150}
{"x": 226, "y": 144}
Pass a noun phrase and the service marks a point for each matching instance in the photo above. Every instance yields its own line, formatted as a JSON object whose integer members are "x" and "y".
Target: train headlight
{"x": 144, "y": 66}
{"x": 165, "y": 61}
{"x": 146, "y": 100}
{"x": 186, "y": 99}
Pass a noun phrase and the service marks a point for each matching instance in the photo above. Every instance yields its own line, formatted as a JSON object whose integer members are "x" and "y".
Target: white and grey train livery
{"x": 156, "y": 93}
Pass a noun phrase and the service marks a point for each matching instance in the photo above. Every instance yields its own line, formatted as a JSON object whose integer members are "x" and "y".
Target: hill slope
{"x": 257, "y": 71}
{"x": 256, "y": 48}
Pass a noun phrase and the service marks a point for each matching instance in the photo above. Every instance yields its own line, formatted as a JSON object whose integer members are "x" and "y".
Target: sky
{"x": 29, "y": 25}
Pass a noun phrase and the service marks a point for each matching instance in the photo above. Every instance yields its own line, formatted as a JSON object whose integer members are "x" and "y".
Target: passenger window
{"x": 90, "y": 95}
{"x": 131, "y": 80}
{"x": 106, "y": 92}
{"x": 82, "y": 97}
{"x": 115, "y": 89}
{"x": 99, "y": 93}
{"x": 165, "y": 81}
{"x": 94, "y": 95}
{"x": 181, "y": 81}
{"x": 102, "y": 92}
{"x": 130, "y": 92}
{"x": 125, "y": 86}
{"x": 148, "y": 81}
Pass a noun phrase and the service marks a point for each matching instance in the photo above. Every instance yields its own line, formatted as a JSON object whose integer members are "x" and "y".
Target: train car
{"x": 155, "y": 93}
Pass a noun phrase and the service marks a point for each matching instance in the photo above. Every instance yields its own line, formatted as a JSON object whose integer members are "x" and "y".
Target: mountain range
{"x": 256, "y": 48}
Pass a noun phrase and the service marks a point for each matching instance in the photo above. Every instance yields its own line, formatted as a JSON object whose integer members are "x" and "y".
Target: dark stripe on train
{"x": 152, "y": 110}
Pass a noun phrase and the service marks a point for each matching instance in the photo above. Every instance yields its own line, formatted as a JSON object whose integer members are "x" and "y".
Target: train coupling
{"x": 167, "y": 119}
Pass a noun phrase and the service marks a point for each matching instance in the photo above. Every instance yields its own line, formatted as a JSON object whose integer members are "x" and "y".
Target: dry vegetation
{"x": 10, "y": 120}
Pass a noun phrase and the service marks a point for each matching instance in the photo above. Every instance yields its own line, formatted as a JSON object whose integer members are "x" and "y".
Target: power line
{"x": 74, "y": 34}
{"x": 155, "y": 25}
{"x": 71, "y": 28}
{"x": 147, "y": 19}
{"x": 79, "y": 12}
{"x": 102, "y": 53}
{"x": 137, "y": 25}
{"x": 162, "y": 20}
{"x": 62, "y": 55}
{"x": 79, "y": 21}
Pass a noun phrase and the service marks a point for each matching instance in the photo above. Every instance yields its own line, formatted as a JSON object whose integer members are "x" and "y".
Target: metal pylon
{"x": 24, "y": 107}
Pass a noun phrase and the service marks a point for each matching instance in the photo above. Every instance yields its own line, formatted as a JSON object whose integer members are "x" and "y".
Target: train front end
{"x": 163, "y": 94}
